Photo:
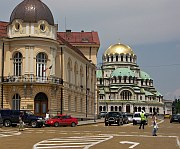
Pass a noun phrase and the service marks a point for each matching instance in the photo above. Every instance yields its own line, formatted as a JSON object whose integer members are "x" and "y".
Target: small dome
{"x": 119, "y": 49}
{"x": 99, "y": 73}
{"x": 144, "y": 75}
{"x": 122, "y": 72}
{"x": 32, "y": 11}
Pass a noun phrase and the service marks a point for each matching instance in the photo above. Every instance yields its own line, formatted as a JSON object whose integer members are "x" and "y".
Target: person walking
{"x": 47, "y": 115}
{"x": 143, "y": 119}
{"x": 21, "y": 122}
{"x": 155, "y": 126}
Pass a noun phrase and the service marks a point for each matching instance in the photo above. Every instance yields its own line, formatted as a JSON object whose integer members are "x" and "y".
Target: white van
{"x": 137, "y": 118}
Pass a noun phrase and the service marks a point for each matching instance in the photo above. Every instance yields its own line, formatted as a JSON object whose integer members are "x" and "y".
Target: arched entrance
{"x": 40, "y": 104}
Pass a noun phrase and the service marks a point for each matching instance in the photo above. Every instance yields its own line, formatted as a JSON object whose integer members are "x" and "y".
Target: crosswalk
{"x": 84, "y": 142}
{"x": 9, "y": 133}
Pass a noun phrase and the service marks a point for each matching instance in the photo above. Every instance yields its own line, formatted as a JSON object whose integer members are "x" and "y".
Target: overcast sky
{"x": 150, "y": 27}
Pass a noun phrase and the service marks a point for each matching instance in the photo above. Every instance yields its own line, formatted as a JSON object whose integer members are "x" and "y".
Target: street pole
{"x": 2, "y": 76}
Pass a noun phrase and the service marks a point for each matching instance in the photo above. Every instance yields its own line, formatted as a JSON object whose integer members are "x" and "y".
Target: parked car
{"x": 102, "y": 114}
{"x": 130, "y": 117}
{"x": 175, "y": 118}
{"x": 137, "y": 118}
{"x": 62, "y": 120}
{"x": 125, "y": 118}
{"x": 113, "y": 118}
{"x": 11, "y": 118}
{"x": 167, "y": 116}
{"x": 1, "y": 121}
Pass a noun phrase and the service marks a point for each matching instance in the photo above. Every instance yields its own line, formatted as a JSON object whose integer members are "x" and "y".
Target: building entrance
{"x": 40, "y": 104}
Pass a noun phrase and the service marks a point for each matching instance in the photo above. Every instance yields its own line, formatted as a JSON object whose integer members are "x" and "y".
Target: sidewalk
{"x": 89, "y": 122}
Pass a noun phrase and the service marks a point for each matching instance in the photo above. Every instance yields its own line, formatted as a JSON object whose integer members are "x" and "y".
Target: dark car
{"x": 125, "y": 118}
{"x": 11, "y": 118}
{"x": 1, "y": 121}
{"x": 113, "y": 118}
{"x": 175, "y": 118}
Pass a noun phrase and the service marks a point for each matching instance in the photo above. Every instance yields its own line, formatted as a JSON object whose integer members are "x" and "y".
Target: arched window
{"x": 120, "y": 109}
{"x": 116, "y": 58}
{"x": 116, "y": 108}
{"x": 81, "y": 76}
{"x": 100, "y": 108}
{"x": 41, "y": 62}
{"x": 126, "y": 95}
{"x": 75, "y": 72}
{"x": 69, "y": 69}
{"x": 112, "y": 108}
{"x": 16, "y": 102}
{"x": 17, "y": 64}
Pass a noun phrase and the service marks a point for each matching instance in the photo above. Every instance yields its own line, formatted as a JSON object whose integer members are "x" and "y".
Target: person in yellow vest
{"x": 143, "y": 119}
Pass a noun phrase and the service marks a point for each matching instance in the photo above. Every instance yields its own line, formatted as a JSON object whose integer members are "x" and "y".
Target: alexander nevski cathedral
{"x": 123, "y": 86}
{"x": 43, "y": 69}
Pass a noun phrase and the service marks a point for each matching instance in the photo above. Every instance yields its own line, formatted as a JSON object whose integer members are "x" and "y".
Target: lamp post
{"x": 2, "y": 76}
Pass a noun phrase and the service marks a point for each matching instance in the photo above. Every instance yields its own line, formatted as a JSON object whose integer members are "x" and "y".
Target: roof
{"x": 122, "y": 72}
{"x": 80, "y": 37}
{"x": 32, "y": 11}
{"x": 144, "y": 75}
{"x": 63, "y": 41}
{"x": 3, "y": 29}
{"x": 119, "y": 49}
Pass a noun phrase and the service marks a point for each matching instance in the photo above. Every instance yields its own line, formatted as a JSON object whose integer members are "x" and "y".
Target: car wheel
{"x": 7, "y": 123}
{"x": 106, "y": 124}
{"x": 33, "y": 124}
{"x": 73, "y": 124}
{"x": 56, "y": 124}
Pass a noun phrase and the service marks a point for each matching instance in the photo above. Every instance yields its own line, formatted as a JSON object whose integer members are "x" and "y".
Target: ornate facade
{"x": 123, "y": 86}
{"x": 43, "y": 69}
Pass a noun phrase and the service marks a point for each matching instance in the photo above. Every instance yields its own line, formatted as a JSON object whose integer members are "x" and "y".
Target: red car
{"x": 62, "y": 120}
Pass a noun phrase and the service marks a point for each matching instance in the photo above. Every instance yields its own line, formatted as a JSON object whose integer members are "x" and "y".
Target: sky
{"x": 150, "y": 27}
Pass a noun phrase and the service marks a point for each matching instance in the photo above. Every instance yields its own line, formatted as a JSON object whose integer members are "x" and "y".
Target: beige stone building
{"x": 43, "y": 69}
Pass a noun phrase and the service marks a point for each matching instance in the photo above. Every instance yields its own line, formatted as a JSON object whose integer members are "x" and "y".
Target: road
{"x": 96, "y": 136}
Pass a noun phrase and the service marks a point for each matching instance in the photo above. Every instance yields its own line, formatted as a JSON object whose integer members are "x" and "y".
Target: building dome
{"x": 121, "y": 72}
{"x": 144, "y": 75}
{"x": 119, "y": 49}
{"x": 32, "y": 11}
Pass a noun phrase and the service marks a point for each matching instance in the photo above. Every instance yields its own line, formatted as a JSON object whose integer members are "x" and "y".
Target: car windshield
{"x": 113, "y": 114}
{"x": 137, "y": 115}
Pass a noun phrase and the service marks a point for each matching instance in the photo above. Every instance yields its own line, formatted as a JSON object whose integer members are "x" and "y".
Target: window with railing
{"x": 41, "y": 62}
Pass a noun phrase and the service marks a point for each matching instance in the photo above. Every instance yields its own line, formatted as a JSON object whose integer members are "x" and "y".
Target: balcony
{"x": 31, "y": 79}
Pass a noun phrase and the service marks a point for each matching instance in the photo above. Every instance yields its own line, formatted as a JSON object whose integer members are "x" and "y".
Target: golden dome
{"x": 119, "y": 49}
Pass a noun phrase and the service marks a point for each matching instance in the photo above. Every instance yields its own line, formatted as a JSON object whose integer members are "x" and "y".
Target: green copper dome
{"x": 144, "y": 75}
{"x": 122, "y": 72}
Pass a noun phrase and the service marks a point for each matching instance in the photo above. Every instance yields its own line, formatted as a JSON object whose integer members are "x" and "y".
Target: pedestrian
{"x": 21, "y": 121}
{"x": 155, "y": 126}
{"x": 143, "y": 119}
{"x": 47, "y": 115}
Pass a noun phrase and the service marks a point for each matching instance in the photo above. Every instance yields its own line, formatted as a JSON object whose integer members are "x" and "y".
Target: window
{"x": 126, "y": 95}
{"x": 17, "y": 26}
{"x": 17, "y": 64}
{"x": 16, "y": 102}
{"x": 116, "y": 58}
{"x": 41, "y": 62}
{"x": 42, "y": 27}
